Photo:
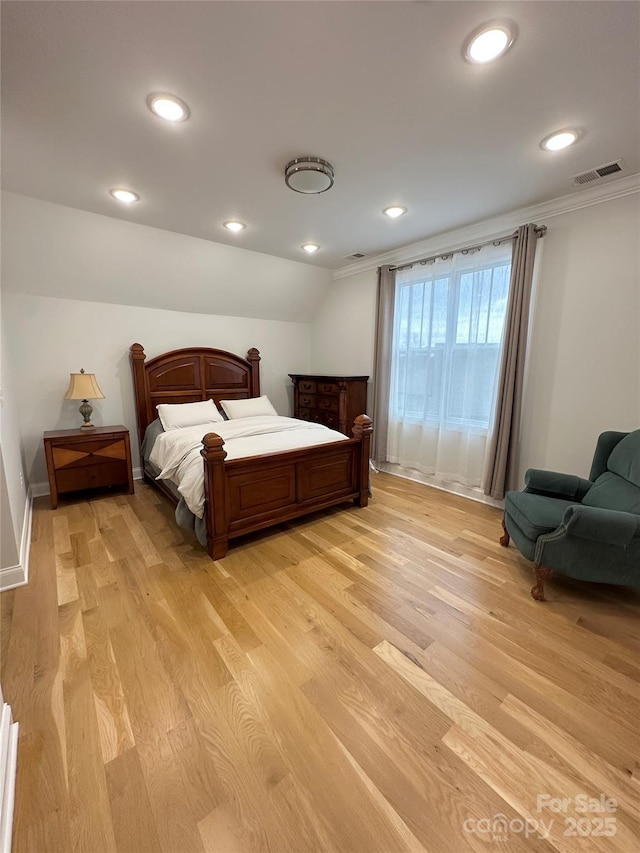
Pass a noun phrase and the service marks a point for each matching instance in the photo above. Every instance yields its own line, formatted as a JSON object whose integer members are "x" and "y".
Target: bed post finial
{"x": 253, "y": 357}
{"x": 137, "y": 357}
{"x": 215, "y": 493}
{"x": 362, "y": 429}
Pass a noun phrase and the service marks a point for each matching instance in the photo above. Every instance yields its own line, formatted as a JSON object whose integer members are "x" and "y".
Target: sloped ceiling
{"x": 380, "y": 89}
{"x": 50, "y": 250}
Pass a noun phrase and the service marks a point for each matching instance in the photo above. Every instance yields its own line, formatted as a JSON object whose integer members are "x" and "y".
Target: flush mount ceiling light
{"x": 559, "y": 139}
{"x": 234, "y": 225}
{"x": 168, "y": 107}
{"x": 394, "y": 211}
{"x": 126, "y": 196}
{"x": 310, "y": 175}
{"x": 489, "y": 42}
{"x": 310, "y": 248}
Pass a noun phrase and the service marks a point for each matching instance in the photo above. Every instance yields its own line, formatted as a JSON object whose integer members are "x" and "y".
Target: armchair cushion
{"x": 601, "y": 525}
{"x": 611, "y": 491}
{"x": 536, "y": 515}
{"x": 566, "y": 486}
{"x": 604, "y": 447}
{"x": 625, "y": 458}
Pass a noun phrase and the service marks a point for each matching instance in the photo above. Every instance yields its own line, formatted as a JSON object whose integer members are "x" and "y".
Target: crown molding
{"x": 487, "y": 229}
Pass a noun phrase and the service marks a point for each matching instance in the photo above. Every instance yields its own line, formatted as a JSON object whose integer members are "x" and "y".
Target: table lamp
{"x": 83, "y": 386}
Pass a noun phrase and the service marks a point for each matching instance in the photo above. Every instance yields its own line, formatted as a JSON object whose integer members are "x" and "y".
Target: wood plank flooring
{"x": 364, "y": 681}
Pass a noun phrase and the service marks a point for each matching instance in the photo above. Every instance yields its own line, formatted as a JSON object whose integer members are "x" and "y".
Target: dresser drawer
{"x": 303, "y": 414}
{"x": 328, "y": 404}
{"x": 329, "y": 419}
{"x": 328, "y": 388}
{"x": 307, "y": 401}
{"x": 92, "y": 476}
{"x": 306, "y": 386}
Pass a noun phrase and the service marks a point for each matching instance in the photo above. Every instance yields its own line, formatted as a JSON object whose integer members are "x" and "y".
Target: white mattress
{"x": 177, "y": 452}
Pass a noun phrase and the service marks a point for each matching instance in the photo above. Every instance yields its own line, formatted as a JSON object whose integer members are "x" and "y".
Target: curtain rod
{"x": 540, "y": 231}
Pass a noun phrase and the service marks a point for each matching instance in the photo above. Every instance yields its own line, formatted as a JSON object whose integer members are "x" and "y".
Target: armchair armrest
{"x": 567, "y": 486}
{"x": 601, "y": 525}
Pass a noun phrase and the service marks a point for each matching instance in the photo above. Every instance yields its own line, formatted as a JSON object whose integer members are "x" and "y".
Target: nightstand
{"x": 87, "y": 459}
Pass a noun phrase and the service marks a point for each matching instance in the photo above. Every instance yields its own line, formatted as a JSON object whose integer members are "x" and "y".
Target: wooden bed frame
{"x": 244, "y": 495}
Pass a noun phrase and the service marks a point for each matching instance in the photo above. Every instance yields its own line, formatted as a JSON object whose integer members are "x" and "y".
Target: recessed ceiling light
{"x": 167, "y": 107}
{"x": 489, "y": 42}
{"x": 234, "y": 225}
{"x": 559, "y": 140}
{"x": 394, "y": 212}
{"x": 310, "y": 248}
{"x": 127, "y": 196}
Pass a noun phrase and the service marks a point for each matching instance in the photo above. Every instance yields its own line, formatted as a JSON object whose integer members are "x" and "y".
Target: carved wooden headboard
{"x": 190, "y": 375}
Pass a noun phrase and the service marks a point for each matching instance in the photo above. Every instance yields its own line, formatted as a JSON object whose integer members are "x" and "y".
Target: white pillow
{"x": 178, "y": 415}
{"x": 250, "y": 408}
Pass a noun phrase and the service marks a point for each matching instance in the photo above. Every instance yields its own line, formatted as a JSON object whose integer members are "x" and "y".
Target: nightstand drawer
{"x": 81, "y": 453}
{"x": 306, "y": 386}
{"x": 92, "y": 476}
{"x": 328, "y": 388}
{"x": 307, "y": 401}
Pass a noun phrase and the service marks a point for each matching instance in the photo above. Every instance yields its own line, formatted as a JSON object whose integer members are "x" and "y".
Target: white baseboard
{"x": 41, "y": 490}
{"x": 18, "y": 575}
{"x": 8, "y": 798}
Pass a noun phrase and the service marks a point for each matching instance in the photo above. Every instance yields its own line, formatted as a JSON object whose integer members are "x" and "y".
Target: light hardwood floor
{"x": 367, "y": 680}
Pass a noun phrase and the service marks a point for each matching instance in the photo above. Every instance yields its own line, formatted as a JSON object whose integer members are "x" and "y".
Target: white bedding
{"x": 177, "y": 453}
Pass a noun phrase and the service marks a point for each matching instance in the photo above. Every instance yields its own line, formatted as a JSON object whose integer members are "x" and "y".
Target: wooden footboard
{"x": 244, "y": 495}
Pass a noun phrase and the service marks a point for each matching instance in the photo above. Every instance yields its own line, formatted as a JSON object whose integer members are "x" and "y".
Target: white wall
{"x": 13, "y": 497}
{"x": 48, "y": 338}
{"x": 342, "y": 331}
{"x": 51, "y": 250}
{"x": 584, "y": 367}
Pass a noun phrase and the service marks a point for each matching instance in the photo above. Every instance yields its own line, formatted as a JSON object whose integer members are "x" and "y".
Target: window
{"x": 449, "y": 320}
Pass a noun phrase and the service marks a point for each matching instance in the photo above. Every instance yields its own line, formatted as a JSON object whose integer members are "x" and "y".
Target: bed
{"x": 255, "y": 492}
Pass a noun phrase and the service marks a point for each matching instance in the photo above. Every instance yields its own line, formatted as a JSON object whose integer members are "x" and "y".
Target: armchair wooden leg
{"x": 505, "y": 538}
{"x": 541, "y": 575}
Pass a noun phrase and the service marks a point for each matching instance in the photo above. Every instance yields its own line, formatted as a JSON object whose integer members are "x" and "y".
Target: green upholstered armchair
{"x": 586, "y": 529}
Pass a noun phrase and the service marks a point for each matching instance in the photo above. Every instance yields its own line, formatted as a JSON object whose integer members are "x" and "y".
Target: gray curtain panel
{"x": 382, "y": 361}
{"x": 501, "y": 472}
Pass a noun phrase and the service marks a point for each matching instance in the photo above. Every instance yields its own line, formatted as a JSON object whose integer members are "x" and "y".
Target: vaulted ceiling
{"x": 379, "y": 89}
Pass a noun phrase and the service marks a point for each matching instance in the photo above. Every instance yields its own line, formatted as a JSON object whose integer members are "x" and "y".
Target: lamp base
{"x": 85, "y": 410}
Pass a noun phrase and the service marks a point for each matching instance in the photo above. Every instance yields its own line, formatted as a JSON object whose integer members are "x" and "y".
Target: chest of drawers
{"x": 334, "y": 401}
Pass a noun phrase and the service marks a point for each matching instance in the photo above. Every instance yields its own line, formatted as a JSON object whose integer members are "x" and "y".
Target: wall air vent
{"x": 600, "y": 172}
{"x": 356, "y": 256}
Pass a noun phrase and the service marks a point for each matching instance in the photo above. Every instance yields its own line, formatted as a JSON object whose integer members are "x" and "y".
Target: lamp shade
{"x": 83, "y": 386}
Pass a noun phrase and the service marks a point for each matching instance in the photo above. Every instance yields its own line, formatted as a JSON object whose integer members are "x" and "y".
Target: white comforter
{"x": 177, "y": 452}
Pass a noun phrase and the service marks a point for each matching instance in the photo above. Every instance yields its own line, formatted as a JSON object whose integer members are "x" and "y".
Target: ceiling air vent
{"x": 356, "y": 256}
{"x": 600, "y": 172}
